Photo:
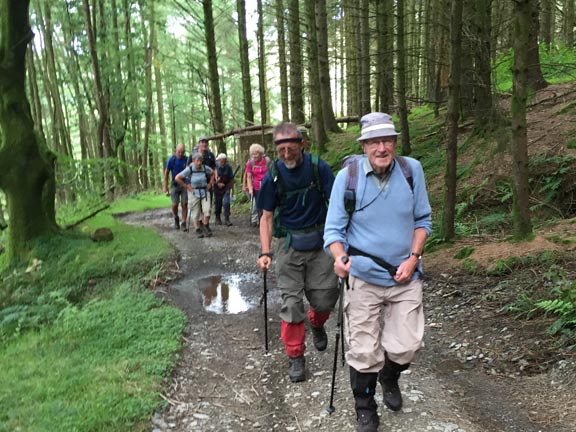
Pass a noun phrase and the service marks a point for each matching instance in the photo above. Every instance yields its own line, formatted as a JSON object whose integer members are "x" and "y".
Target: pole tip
{"x": 330, "y": 409}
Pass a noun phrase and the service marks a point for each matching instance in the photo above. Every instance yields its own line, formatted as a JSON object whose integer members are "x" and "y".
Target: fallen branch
{"x": 85, "y": 218}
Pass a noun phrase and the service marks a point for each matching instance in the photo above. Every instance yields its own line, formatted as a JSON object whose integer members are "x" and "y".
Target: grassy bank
{"x": 84, "y": 345}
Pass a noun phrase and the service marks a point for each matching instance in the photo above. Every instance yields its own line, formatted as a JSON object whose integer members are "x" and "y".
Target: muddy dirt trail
{"x": 473, "y": 375}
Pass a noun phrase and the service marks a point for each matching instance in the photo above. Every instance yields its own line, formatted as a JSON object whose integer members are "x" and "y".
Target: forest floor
{"x": 482, "y": 369}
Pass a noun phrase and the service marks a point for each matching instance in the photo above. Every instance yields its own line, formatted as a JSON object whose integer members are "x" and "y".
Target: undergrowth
{"x": 84, "y": 345}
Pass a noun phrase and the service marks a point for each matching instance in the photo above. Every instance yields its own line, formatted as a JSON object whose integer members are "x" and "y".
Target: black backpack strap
{"x": 406, "y": 170}
{"x": 351, "y": 185}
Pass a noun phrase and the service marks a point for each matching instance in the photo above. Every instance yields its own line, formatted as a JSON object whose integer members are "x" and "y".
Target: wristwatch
{"x": 417, "y": 255}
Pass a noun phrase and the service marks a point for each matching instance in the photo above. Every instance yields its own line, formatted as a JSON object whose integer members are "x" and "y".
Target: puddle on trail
{"x": 227, "y": 294}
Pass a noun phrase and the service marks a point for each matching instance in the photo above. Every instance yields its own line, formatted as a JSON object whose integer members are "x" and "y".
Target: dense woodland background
{"x": 114, "y": 85}
{"x": 95, "y": 95}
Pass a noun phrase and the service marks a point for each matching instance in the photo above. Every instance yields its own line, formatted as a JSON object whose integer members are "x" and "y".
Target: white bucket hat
{"x": 221, "y": 156}
{"x": 376, "y": 125}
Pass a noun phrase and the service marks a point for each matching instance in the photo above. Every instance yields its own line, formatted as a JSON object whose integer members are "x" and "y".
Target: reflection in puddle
{"x": 222, "y": 295}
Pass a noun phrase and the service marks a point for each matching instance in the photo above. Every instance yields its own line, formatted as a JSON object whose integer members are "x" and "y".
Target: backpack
{"x": 352, "y": 163}
{"x": 282, "y": 195}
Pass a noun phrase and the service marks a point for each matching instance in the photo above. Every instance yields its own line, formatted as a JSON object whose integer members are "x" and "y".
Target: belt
{"x": 382, "y": 263}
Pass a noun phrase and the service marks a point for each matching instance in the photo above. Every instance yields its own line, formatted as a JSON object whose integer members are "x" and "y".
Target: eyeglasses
{"x": 385, "y": 141}
{"x": 288, "y": 149}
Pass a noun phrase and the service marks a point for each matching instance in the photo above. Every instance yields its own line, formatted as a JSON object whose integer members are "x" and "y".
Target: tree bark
{"x": 523, "y": 23}
{"x": 385, "y": 57}
{"x": 262, "y": 65}
{"x": 351, "y": 29}
{"x": 534, "y": 76}
{"x": 214, "y": 79}
{"x": 245, "y": 64}
{"x": 324, "y": 67}
{"x": 401, "y": 68}
{"x": 296, "y": 93}
{"x": 29, "y": 196}
{"x": 568, "y": 23}
{"x": 318, "y": 130}
{"x": 282, "y": 65}
{"x": 363, "y": 47}
{"x": 484, "y": 112}
{"x": 452, "y": 120}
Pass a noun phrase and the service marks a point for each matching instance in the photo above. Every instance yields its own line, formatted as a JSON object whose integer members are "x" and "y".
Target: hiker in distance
{"x": 177, "y": 193}
{"x": 256, "y": 168}
{"x": 208, "y": 159}
{"x": 223, "y": 186}
{"x": 199, "y": 178}
{"x": 293, "y": 198}
{"x": 379, "y": 218}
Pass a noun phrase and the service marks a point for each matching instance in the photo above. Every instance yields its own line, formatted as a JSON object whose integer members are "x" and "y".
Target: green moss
{"x": 465, "y": 252}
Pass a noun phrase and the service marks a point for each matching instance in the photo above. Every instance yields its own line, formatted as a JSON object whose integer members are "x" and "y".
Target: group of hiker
{"x": 197, "y": 182}
{"x": 359, "y": 237}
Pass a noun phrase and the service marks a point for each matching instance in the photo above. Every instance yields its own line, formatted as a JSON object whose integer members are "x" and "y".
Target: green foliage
{"x": 562, "y": 305}
{"x": 572, "y": 144}
{"x": 464, "y": 252}
{"x": 471, "y": 266}
{"x": 557, "y": 66}
{"x": 83, "y": 347}
{"x": 550, "y": 173}
{"x": 70, "y": 269}
{"x": 98, "y": 368}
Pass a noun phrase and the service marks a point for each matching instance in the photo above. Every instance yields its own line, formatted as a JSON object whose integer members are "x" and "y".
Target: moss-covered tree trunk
{"x": 521, "y": 207}
{"x": 26, "y": 164}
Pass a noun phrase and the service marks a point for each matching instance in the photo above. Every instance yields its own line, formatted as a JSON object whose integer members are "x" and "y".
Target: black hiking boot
{"x": 199, "y": 233}
{"x": 388, "y": 377}
{"x": 367, "y": 421}
{"x": 227, "y": 222}
{"x": 297, "y": 369}
{"x": 364, "y": 388}
{"x": 176, "y": 222}
{"x": 218, "y": 220}
{"x": 207, "y": 231}
{"x": 184, "y": 226}
{"x": 320, "y": 338}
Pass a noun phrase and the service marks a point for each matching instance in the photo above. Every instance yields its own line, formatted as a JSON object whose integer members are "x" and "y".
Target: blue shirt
{"x": 306, "y": 208}
{"x": 176, "y": 165}
{"x": 384, "y": 220}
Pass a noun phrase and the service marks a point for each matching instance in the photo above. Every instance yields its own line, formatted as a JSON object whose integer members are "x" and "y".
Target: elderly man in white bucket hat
{"x": 224, "y": 184}
{"x": 378, "y": 221}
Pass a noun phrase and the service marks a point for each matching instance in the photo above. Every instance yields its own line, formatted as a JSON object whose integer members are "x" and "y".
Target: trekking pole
{"x": 265, "y": 296}
{"x": 339, "y": 332}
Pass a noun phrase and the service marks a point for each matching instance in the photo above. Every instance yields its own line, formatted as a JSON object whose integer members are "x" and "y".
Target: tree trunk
{"x": 34, "y": 92}
{"x": 29, "y": 197}
{"x": 318, "y": 131}
{"x": 145, "y": 157}
{"x": 282, "y": 65}
{"x": 523, "y": 22}
{"x": 262, "y": 65}
{"x": 216, "y": 101}
{"x": 104, "y": 147}
{"x": 401, "y": 65}
{"x": 546, "y": 24}
{"x": 296, "y": 93}
{"x": 385, "y": 57}
{"x": 324, "y": 67}
{"x": 568, "y": 23}
{"x": 484, "y": 113}
{"x": 160, "y": 104}
{"x": 534, "y": 76}
{"x": 351, "y": 76}
{"x": 363, "y": 59}
{"x": 245, "y": 64}
{"x": 452, "y": 120}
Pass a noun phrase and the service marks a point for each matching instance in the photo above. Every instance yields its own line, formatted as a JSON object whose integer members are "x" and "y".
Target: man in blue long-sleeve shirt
{"x": 383, "y": 236}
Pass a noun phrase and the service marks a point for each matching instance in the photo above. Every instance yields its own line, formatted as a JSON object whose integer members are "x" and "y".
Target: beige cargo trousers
{"x": 381, "y": 320}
